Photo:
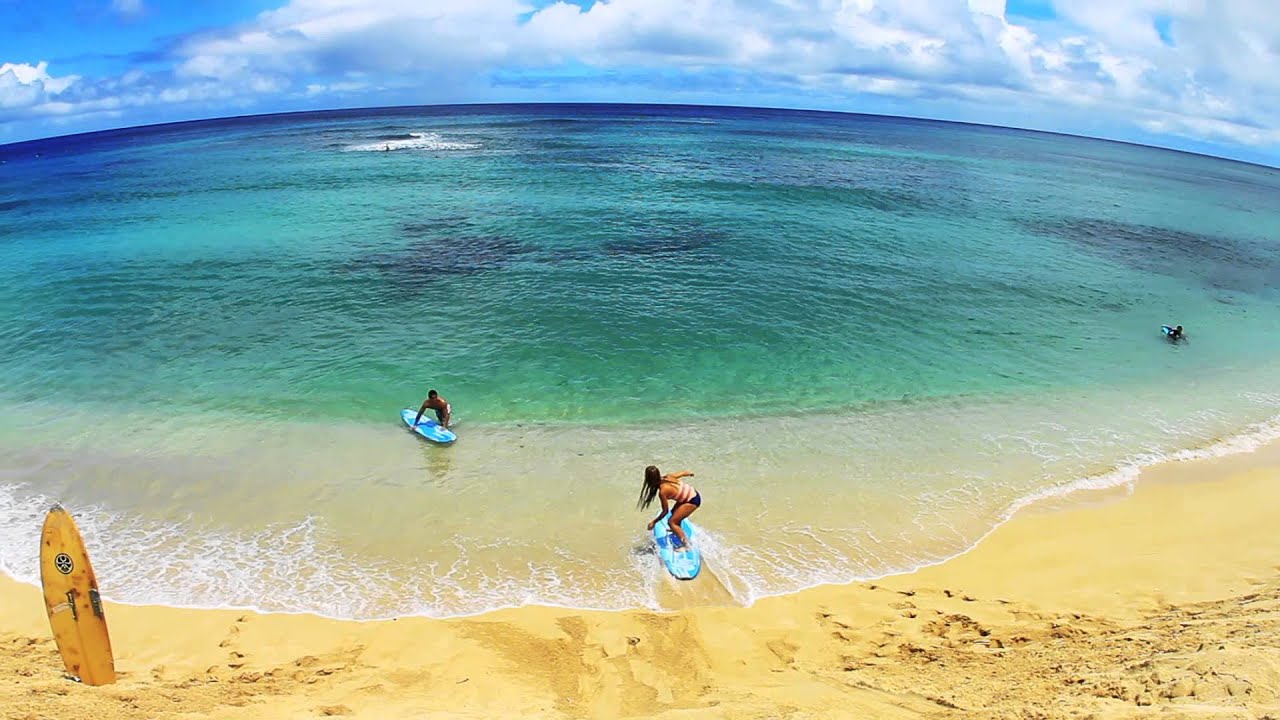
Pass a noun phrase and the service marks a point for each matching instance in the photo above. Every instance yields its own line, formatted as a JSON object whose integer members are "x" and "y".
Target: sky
{"x": 1197, "y": 75}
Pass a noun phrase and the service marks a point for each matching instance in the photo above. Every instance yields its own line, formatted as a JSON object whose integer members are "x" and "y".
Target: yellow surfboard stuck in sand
{"x": 72, "y": 601}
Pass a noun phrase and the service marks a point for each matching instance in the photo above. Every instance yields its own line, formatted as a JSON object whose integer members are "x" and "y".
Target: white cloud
{"x": 29, "y": 86}
{"x": 38, "y": 75}
{"x": 128, "y": 8}
{"x": 1208, "y": 128}
{"x": 1216, "y": 82}
{"x": 881, "y": 86}
{"x": 336, "y": 88}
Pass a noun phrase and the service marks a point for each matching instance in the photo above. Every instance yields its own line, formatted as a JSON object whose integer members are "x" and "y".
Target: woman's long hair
{"x": 652, "y": 481}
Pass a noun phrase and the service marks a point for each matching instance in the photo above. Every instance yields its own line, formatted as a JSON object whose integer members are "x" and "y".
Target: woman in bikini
{"x": 670, "y": 489}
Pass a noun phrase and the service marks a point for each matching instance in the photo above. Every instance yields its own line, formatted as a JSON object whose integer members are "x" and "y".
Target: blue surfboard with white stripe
{"x": 427, "y": 427}
{"x": 682, "y": 565}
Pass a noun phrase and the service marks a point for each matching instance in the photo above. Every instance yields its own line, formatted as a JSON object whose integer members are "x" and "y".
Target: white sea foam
{"x": 808, "y": 570}
{"x": 412, "y": 141}
{"x": 295, "y": 568}
{"x": 1125, "y": 475}
{"x": 1127, "y": 472}
{"x": 739, "y": 566}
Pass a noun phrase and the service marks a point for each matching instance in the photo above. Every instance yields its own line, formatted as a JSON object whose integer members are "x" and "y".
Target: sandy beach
{"x": 1160, "y": 602}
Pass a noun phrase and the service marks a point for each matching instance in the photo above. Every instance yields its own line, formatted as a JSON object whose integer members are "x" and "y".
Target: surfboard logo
{"x": 62, "y": 561}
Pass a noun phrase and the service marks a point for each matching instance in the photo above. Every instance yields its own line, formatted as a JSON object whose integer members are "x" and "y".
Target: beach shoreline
{"x": 1110, "y": 606}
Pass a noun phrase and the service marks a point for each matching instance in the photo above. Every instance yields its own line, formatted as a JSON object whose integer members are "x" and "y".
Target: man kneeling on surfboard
{"x": 670, "y": 488}
{"x": 444, "y": 412}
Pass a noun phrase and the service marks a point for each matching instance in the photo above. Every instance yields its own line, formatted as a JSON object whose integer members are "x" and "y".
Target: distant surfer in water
{"x": 444, "y": 411}
{"x": 670, "y": 489}
{"x": 1176, "y": 333}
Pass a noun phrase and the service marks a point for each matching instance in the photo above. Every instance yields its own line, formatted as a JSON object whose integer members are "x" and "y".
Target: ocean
{"x": 872, "y": 338}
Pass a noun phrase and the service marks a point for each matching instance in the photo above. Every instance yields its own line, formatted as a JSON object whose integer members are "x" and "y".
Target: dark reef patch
{"x": 426, "y": 260}
{"x": 433, "y": 226}
{"x": 665, "y": 242}
{"x": 454, "y": 246}
{"x": 1217, "y": 261}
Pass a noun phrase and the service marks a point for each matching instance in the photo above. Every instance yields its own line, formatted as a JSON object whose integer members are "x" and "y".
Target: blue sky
{"x": 1189, "y": 74}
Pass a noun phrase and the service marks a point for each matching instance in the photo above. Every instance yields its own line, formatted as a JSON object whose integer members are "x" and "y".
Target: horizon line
{"x": 249, "y": 116}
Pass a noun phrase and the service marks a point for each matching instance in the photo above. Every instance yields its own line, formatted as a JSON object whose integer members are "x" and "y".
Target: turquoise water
{"x": 841, "y": 315}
